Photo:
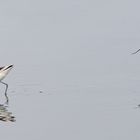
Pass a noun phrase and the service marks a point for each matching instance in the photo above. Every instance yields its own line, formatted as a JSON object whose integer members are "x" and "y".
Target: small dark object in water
{"x": 40, "y": 91}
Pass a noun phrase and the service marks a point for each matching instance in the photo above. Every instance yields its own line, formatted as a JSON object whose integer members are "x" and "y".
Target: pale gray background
{"x": 78, "y": 53}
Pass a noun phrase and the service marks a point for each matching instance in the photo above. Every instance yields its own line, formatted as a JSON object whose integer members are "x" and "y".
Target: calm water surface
{"x": 73, "y": 76}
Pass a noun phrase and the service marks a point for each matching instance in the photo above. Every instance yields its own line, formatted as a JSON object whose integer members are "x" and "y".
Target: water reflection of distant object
{"x": 5, "y": 115}
{"x": 136, "y": 51}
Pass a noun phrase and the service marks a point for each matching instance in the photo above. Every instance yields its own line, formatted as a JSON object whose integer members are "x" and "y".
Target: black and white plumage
{"x": 3, "y": 73}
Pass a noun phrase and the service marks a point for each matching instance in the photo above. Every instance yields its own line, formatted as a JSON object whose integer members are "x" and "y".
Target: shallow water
{"x": 74, "y": 77}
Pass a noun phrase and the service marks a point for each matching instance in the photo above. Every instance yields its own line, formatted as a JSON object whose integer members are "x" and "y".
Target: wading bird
{"x": 3, "y": 73}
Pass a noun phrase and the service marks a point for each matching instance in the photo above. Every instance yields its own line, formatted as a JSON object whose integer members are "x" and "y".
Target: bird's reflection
{"x": 5, "y": 115}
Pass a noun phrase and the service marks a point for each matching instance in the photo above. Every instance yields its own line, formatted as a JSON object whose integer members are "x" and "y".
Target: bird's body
{"x": 3, "y": 73}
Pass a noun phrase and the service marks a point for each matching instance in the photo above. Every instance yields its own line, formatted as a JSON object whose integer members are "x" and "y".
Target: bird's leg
{"x": 7, "y": 99}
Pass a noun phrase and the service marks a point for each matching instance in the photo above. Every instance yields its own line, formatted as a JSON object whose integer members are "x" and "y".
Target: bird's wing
{"x": 1, "y": 68}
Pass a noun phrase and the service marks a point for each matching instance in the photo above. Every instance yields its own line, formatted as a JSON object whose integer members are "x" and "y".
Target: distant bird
{"x": 3, "y": 73}
{"x": 136, "y": 51}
